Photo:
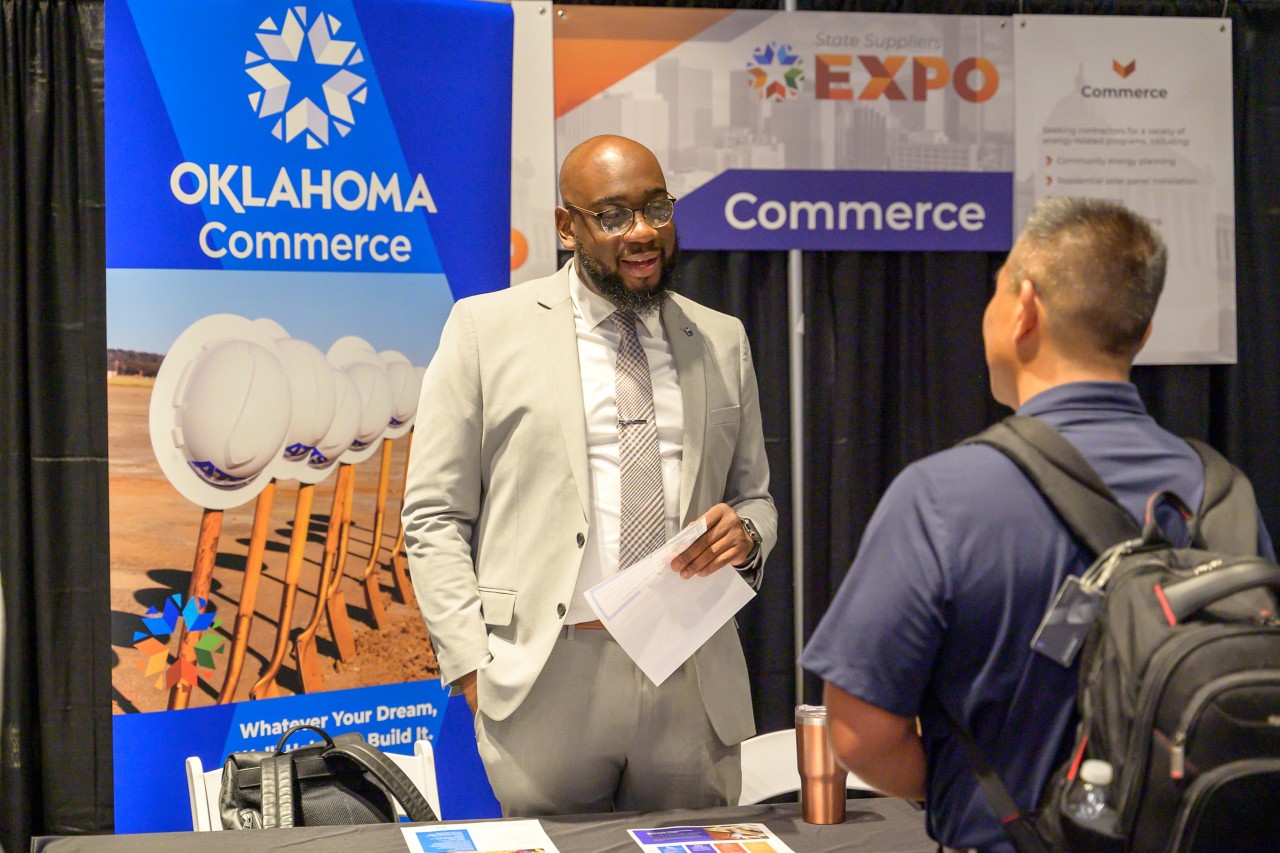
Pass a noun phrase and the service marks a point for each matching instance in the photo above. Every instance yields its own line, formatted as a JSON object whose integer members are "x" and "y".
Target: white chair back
{"x": 426, "y": 756}
{"x": 770, "y": 768}
{"x": 203, "y": 787}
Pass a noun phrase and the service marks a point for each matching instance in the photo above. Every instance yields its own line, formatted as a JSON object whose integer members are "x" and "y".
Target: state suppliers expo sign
{"x": 804, "y": 130}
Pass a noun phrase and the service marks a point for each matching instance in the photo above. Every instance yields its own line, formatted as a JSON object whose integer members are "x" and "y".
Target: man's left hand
{"x": 724, "y": 544}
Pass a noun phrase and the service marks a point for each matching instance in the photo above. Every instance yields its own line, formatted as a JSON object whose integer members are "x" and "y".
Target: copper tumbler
{"x": 822, "y": 781}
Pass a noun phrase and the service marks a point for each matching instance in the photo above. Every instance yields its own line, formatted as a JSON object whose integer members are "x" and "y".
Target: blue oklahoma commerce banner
{"x": 296, "y": 195}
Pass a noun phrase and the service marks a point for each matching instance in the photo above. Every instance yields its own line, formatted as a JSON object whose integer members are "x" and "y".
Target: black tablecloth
{"x": 879, "y": 824}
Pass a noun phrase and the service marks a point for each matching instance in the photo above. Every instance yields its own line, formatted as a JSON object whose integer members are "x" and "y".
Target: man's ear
{"x": 1029, "y": 314}
{"x": 1146, "y": 336}
{"x": 564, "y": 227}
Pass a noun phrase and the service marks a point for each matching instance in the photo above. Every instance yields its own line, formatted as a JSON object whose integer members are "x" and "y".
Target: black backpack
{"x": 340, "y": 781}
{"x": 1179, "y": 683}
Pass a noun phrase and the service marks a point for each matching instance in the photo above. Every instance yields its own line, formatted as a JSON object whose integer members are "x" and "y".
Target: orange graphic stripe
{"x": 596, "y": 46}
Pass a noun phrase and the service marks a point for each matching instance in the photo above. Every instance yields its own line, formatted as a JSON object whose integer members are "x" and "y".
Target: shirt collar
{"x": 595, "y": 309}
{"x": 1090, "y": 396}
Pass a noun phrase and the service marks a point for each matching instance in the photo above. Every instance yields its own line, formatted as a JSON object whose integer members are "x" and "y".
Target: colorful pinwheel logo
{"x": 775, "y": 72}
{"x": 304, "y": 85}
{"x": 153, "y": 642}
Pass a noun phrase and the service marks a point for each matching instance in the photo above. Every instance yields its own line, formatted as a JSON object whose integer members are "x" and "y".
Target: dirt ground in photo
{"x": 154, "y": 531}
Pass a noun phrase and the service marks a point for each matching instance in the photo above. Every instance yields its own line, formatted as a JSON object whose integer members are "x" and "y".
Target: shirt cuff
{"x": 753, "y": 571}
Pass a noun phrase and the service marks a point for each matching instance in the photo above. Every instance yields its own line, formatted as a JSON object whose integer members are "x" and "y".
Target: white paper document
{"x": 660, "y": 618}
{"x": 497, "y": 836}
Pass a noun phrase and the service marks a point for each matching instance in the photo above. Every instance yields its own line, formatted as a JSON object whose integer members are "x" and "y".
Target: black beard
{"x": 611, "y": 287}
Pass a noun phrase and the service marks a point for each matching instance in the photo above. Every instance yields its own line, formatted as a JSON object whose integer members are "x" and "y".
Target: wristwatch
{"x": 749, "y": 528}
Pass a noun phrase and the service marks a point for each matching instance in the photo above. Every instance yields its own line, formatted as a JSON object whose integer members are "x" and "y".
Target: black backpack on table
{"x": 1179, "y": 685}
{"x": 340, "y": 781}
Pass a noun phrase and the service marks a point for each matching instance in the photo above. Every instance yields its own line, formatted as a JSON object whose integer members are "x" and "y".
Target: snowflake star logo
{"x": 197, "y": 661}
{"x": 776, "y": 72}
{"x": 303, "y": 77}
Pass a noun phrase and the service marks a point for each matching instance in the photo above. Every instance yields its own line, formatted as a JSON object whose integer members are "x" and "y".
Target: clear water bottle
{"x": 1088, "y": 801}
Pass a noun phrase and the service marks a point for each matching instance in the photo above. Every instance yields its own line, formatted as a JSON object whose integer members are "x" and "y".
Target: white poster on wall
{"x": 1139, "y": 110}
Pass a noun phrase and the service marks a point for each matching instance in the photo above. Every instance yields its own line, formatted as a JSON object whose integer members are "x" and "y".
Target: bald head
{"x": 600, "y": 164}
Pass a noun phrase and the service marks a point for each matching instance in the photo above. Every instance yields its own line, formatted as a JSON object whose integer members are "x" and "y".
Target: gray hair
{"x": 1099, "y": 268}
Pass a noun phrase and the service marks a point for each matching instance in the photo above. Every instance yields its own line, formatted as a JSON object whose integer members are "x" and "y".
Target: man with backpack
{"x": 963, "y": 557}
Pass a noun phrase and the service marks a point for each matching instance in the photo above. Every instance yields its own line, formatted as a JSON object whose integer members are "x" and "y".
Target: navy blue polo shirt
{"x": 958, "y": 565}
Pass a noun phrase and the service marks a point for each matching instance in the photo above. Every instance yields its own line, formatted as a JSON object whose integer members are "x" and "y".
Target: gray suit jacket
{"x": 496, "y": 512}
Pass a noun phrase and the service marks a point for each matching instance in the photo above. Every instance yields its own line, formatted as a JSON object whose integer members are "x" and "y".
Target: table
{"x": 879, "y": 824}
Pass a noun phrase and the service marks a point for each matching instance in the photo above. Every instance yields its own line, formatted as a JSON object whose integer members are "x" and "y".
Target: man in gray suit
{"x": 568, "y": 426}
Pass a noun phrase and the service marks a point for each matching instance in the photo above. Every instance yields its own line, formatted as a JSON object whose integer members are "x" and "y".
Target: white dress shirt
{"x": 597, "y": 357}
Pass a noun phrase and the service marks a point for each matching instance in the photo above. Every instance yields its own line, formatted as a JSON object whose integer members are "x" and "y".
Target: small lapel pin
{"x": 688, "y": 331}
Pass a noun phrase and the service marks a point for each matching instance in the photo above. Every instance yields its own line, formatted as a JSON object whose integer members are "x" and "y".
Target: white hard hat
{"x": 234, "y": 412}
{"x": 220, "y": 411}
{"x": 315, "y": 399}
{"x": 376, "y": 401}
{"x": 405, "y": 385}
{"x": 361, "y": 362}
{"x": 342, "y": 430}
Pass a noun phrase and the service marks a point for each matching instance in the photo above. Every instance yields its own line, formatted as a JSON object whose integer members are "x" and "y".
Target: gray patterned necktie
{"x": 643, "y": 522}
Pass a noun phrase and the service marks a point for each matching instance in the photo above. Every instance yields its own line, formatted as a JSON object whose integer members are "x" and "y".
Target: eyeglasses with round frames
{"x": 619, "y": 220}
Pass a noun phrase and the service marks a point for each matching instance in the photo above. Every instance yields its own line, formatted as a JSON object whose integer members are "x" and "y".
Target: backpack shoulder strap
{"x": 1018, "y": 825}
{"x": 1228, "y": 517}
{"x": 1065, "y": 479}
{"x": 277, "y": 790}
{"x": 390, "y": 776}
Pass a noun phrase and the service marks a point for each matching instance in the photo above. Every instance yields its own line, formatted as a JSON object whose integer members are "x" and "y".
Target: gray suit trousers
{"x": 595, "y": 735}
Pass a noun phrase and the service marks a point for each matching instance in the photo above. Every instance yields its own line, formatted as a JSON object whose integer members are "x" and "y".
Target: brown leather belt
{"x": 594, "y": 626}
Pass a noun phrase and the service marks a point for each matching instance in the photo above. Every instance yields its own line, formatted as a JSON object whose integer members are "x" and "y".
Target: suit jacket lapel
{"x": 686, "y": 350}
{"x": 554, "y": 328}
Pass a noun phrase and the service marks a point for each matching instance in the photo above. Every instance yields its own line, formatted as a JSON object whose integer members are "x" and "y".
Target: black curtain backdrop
{"x": 55, "y": 773}
{"x": 892, "y": 356}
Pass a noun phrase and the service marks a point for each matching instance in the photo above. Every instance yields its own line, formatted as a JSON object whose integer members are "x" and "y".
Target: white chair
{"x": 426, "y": 758}
{"x": 203, "y": 786}
{"x": 202, "y": 789}
{"x": 769, "y": 768}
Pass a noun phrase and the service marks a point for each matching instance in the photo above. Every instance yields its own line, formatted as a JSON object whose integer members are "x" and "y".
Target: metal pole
{"x": 795, "y": 316}
{"x": 795, "y": 321}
